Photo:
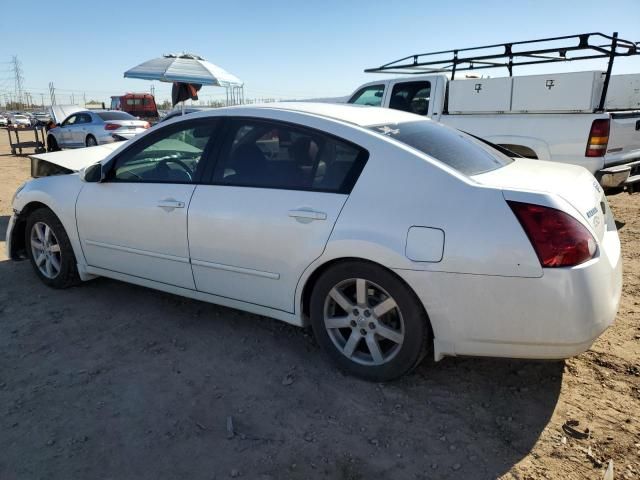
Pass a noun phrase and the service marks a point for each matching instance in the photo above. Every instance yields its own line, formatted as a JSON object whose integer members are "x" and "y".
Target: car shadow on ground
{"x": 110, "y": 380}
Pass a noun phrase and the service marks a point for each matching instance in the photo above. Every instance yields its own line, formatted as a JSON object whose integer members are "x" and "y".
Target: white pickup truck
{"x": 548, "y": 117}
{"x": 589, "y": 118}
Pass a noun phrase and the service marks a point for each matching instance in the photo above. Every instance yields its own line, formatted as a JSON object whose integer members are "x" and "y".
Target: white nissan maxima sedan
{"x": 389, "y": 234}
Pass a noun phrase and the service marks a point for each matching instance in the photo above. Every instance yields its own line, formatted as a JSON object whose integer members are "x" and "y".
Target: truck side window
{"x": 411, "y": 97}
{"x": 371, "y": 95}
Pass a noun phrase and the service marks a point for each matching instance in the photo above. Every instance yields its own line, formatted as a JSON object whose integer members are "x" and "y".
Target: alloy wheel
{"x": 45, "y": 249}
{"x": 364, "y": 322}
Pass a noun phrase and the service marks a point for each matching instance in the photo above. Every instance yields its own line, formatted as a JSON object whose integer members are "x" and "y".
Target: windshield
{"x": 115, "y": 116}
{"x": 452, "y": 147}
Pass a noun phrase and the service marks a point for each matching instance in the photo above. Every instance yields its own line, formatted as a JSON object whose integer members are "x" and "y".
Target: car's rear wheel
{"x": 52, "y": 144}
{"x": 49, "y": 249}
{"x": 368, "y": 321}
{"x": 91, "y": 141}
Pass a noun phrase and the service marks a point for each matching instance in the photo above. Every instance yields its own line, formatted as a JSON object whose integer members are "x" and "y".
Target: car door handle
{"x": 307, "y": 213}
{"x": 169, "y": 204}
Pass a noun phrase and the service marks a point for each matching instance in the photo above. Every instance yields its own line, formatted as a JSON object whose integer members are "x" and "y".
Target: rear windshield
{"x": 452, "y": 147}
{"x": 115, "y": 116}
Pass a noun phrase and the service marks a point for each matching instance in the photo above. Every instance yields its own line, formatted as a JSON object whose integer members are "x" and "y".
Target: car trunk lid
{"x": 624, "y": 137}
{"x": 574, "y": 184}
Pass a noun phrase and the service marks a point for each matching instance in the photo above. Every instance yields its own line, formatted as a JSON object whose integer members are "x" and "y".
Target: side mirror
{"x": 92, "y": 174}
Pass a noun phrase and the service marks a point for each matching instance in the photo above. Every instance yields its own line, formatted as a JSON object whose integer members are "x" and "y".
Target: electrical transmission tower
{"x": 18, "y": 79}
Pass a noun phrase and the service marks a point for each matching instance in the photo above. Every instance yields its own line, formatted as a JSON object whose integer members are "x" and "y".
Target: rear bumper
{"x": 623, "y": 175}
{"x": 555, "y": 316}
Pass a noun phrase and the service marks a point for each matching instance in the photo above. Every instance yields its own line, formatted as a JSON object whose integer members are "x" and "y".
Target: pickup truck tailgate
{"x": 624, "y": 138}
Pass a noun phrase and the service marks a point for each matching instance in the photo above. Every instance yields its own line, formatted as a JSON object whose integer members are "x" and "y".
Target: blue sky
{"x": 280, "y": 49}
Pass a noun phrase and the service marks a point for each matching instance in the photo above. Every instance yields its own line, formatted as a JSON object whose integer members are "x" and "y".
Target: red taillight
{"x": 558, "y": 239}
{"x": 598, "y": 138}
{"x": 111, "y": 126}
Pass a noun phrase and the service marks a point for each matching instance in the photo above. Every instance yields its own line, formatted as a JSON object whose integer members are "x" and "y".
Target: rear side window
{"x": 411, "y": 97}
{"x": 115, "y": 116}
{"x": 452, "y": 147}
{"x": 371, "y": 95}
{"x": 269, "y": 154}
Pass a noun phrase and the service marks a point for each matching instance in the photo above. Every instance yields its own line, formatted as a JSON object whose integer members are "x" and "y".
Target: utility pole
{"x": 152, "y": 89}
{"x": 42, "y": 100}
{"x": 18, "y": 79}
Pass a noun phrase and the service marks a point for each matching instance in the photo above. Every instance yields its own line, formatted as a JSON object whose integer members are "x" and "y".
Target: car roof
{"x": 361, "y": 115}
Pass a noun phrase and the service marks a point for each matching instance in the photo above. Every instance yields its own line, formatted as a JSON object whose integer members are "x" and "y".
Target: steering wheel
{"x": 162, "y": 165}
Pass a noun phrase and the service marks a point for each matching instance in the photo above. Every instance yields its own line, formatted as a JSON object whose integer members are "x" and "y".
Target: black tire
{"x": 52, "y": 144}
{"x": 68, "y": 272}
{"x": 91, "y": 141}
{"x": 416, "y": 324}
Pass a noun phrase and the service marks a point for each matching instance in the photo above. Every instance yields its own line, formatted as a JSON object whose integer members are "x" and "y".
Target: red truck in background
{"x": 142, "y": 105}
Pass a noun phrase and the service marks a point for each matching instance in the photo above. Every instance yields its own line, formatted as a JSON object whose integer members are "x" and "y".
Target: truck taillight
{"x": 598, "y": 138}
{"x": 558, "y": 239}
{"x": 111, "y": 126}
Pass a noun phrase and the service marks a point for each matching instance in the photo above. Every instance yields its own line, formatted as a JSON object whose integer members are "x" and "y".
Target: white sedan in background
{"x": 388, "y": 233}
{"x": 94, "y": 127}
{"x": 19, "y": 120}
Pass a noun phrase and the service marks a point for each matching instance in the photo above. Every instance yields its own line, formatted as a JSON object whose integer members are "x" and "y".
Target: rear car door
{"x": 410, "y": 96}
{"x": 135, "y": 222}
{"x": 275, "y": 194}
{"x": 79, "y": 130}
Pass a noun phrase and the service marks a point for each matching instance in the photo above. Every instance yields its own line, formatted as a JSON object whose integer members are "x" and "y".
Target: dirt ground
{"x": 113, "y": 381}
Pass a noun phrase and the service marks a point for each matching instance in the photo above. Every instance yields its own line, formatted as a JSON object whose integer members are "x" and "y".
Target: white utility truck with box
{"x": 589, "y": 118}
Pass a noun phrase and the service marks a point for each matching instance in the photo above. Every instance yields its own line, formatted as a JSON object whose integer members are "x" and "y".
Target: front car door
{"x": 276, "y": 192}
{"x": 371, "y": 95}
{"x": 66, "y": 131}
{"x": 135, "y": 222}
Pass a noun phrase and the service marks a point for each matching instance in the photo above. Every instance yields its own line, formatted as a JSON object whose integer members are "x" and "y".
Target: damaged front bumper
{"x": 9, "y": 237}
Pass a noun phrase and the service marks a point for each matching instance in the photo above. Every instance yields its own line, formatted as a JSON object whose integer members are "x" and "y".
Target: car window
{"x": 171, "y": 156}
{"x": 411, "y": 97}
{"x": 70, "y": 121}
{"x": 277, "y": 155}
{"x": 83, "y": 118}
{"x": 371, "y": 95}
{"x": 452, "y": 147}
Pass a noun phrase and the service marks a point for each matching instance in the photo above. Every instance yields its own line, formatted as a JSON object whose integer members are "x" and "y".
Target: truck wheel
{"x": 49, "y": 250}
{"x": 368, "y": 321}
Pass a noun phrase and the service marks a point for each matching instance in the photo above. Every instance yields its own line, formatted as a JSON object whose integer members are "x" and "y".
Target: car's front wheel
{"x": 49, "y": 249}
{"x": 368, "y": 321}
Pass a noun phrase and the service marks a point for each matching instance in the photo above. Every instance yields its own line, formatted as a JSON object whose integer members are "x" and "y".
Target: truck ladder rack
{"x": 585, "y": 46}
